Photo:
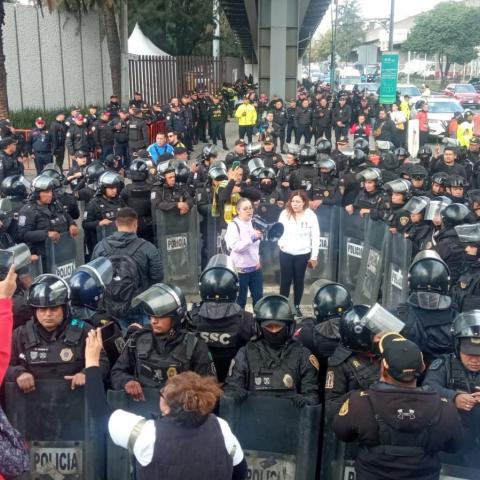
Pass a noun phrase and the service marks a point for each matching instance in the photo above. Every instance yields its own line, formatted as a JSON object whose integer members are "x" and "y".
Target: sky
{"x": 381, "y": 9}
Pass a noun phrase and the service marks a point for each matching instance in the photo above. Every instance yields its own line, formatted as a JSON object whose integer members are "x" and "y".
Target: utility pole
{"x": 309, "y": 52}
{"x": 123, "y": 32}
{"x": 333, "y": 54}
{"x": 392, "y": 23}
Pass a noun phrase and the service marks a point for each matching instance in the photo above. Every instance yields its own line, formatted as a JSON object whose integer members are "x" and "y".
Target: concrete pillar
{"x": 278, "y": 47}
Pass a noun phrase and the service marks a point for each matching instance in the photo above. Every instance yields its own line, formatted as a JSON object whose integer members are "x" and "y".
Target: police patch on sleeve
{"x": 404, "y": 220}
{"x": 314, "y": 361}
{"x": 330, "y": 379}
{"x": 344, "y": 410}
{"x": 21, "y": 220}
{"x": 436, "y": 364}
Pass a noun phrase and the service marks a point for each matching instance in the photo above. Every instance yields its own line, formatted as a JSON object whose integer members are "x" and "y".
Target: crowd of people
{"x": 411, "y": 393}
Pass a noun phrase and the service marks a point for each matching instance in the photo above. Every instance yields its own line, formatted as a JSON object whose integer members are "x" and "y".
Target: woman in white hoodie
{"x": 298, "y": 245}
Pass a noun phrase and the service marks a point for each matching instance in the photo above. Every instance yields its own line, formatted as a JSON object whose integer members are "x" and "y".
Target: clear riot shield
{"x": 269, "y": 251}
{"x": 63, "y": 439}
{"x": 209, "y": 231}
{"x": 352, "y": 240}
{"x": 60, "y": 257}
{"x": 279, "y": 440}
{"x": 328, "y": 216}
{"x": 104, "y": 231}
{"x": 177, "y": 237}
{"x": 119, "y": 461}
{"x": 397, "y": 262}
{"x": 370, "y": 276}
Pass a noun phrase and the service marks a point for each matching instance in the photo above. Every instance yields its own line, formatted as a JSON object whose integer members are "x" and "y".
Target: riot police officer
{"x": 137, "y": 132}
{"x": 136, "y": 195}
{"x": 9, "y": 164}
{"x": 52, "y": 344}
{"x": 87, "y": 185}
{"x": 456, "y": 187}
{"x": 17, "y": 189}
{"x": 274, "y": 364}
{"x": 457, "y": 377}
{"x": 424, "y": 154}
{"x": 328, "y": 183}
{"x": 101, "y": 210}
{"x": 428, "y": 312}
{"x": 354, "y": 364}
{"x": 43, "y": 217}
{"x": 39, "y": 145}
{"x": 77, "y": 136}
{"x": 420, "y": 230}
{"x": 218, "y": 319}
{"x": 270, "y": 157}
{"x": 398, "y": 219}
{"x": 320, "y": 334}
{"x": 167, "y": 194}
{"x": 163, "y": 349}
{"x": 370, "y": 197}
{"x": 285, "y": 173}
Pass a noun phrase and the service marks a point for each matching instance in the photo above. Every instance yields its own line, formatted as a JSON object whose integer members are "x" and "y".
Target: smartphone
{"x": 108, "y": 331}
{"x": 235, "y": 164}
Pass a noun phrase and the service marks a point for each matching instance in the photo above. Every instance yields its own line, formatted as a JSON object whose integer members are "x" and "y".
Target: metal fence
{"x": 159, "y": 78}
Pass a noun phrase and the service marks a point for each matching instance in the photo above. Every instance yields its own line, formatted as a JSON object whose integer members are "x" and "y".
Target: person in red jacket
{"x": 361, "y": 129}
{"x": 422, "y": 117}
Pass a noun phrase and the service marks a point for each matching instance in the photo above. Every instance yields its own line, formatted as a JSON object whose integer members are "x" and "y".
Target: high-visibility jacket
{"x": 246, "y": 114}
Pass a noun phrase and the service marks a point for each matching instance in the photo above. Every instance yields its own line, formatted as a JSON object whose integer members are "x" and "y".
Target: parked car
{"x": 368, "y": 88}
{"x": 411, "y": 90}
{"x": 475, "y": 81}
{"x": 465, "y": 93}
{"x": 440, "y": 111}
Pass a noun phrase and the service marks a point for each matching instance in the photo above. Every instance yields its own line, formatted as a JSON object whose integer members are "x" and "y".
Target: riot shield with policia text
{"x": 60, "y": 257}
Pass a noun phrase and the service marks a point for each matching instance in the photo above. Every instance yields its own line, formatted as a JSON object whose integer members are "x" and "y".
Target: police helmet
{"x": 267, "y": 174}
{"x": 219, "y": 281}
{"x": 48, "y": 291}
{"x": 327, "y": 164}
{"x": 330, "y": 300}
{"x": 15, "y": 186}
{"x": 181, "y": 172}
{"x": 440, "y": 178}
{"x": 388, "y": 161}
{"x": 87, "y": 283}
{"x": 469, "y": 233}
{"x": 43, "y": 183}
{"x": 138, "y": 171}
{"x": 362, "y": 144}
{"x": 372, "y": 173}
{"x": 253, "y": 149}
{"x": 218, "y": 171}
{"x": 255, "y": 165}
{"x": 93, "y": 172}
{"x": 474, "y": 196}
{"x": 54, "y": 171}
{"x": 323, "y": 146}
{"x": 113, "y": 162}
{"x": 399, "y": 185}
{"x": 385, "y": 145}
{"x": 417, "y": 171}
{"x": 292, "y": 149}
{"x": 424, "y": 153}
{"x": 164, "y": 168}
{"x": 466, "y": 332}
{"x": 359, "y": 157}
{"x": 456, "y": 214}
{"x": 456, "y": 181}
{"x": 354, "y": 332}
{"x": 416, "y": 205}
{"x": 401, "y": 152}
{"x": 429, "y": 273}
{"x": 111, "y": 179}
{"x": 163, "y": 300}
{"x": 273, "y": 308}
{"x": 307, "y": 154}
{"x": 209, "y": 151}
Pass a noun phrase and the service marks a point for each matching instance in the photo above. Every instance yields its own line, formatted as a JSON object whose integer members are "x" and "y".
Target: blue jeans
{"x": 252, "y": 280}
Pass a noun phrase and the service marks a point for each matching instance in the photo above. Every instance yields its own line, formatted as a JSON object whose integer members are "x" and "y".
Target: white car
{"x": 440, "y": 112}
{"x": 411, "y": 90}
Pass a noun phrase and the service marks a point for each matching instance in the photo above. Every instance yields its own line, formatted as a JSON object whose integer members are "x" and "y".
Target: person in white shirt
{"x": 298, "y": 245}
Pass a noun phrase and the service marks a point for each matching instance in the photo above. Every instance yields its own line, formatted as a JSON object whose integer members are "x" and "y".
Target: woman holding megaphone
{"x": 298, "y": 245}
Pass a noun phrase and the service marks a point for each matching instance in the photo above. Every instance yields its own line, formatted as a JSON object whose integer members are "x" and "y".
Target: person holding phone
{"x": 243, "y": 241}
{"x": 298, "y": 245}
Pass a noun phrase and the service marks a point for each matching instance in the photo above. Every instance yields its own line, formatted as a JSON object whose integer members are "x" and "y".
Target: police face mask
{"x": 276, "y": 339}
{"x": 266, "y": 187}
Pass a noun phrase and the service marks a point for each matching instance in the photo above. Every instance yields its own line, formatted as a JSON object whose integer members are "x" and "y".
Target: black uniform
{"x": 77, "y": 139}
{"x": 284, "y": 175}
{"x": 136, "y": 195}
{"x": 376, "y": 200}
{"x": 103, "y": 136}
{"x": 307, "y": 178}
{"x": 35, "y": 221}
{"x": 58, "y": 133}
{"x": 166, "y": 198}
{"x": 279, "y": 124}
{"x": 322, "y": 122}
{"x": 48, "y": 355}
{"x": 137, "y": 134}
{"x": 9, "y": 166}
{"x": 270, "y": 159}
{"x": 260, "y": 369}
{"x": 349, "y": 371}
{"x": 224, "y": 327}
{"x": 152, "y": 359}
{"x": 320, "y": 338}
{"x": 400, "y": 431}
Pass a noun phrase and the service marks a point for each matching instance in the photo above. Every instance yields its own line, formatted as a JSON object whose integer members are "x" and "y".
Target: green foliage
{"x": 449, "y": 31}
{"x": 25, "y": 119}
{"x": 349, "y": 28}
{"x": 322, "y": 47}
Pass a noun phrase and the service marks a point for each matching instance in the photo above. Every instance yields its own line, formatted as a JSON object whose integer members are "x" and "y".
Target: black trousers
{"x": 245, "y": 130}
{"x": 218, "y": 133}
{"x": 323, "y": 131}
{"x": 290, "y": 131}
{"x": 292, "y": 269}
{"x": 305, "y": 131}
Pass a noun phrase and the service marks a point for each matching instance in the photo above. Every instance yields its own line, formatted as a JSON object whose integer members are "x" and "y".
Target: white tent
{"x": 139, "y": 44}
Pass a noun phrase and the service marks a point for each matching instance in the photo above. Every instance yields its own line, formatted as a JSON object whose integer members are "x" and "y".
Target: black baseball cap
{"x": 402, "y": 358}
{"x": 342, "y": 140}
{"x": 470, "y": 346}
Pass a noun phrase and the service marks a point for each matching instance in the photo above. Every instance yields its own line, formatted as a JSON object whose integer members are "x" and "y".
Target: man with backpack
{"x": 137, "y": 265}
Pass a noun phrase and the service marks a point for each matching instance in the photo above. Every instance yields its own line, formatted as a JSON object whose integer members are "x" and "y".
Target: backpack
{"x": 14, "y": 456}
{"x": 126, "y": 279}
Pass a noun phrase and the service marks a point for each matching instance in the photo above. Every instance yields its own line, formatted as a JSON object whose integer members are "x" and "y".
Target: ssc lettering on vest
{"x": 65, "y": 271}
{"x": 176, "y": 243}
{"x": 397, "y": 278}
{"x": 215, "y": 337}
{"x": 57, "y": 460}
{"x": 354, "y": 250}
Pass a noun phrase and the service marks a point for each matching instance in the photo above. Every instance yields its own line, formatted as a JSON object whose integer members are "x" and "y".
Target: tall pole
{"x": 216, "y": 44}
{"x": 333, "y": 54}
{"x": 309, "y": 52}
{"x": 123, "y": 32}
{"x": 392, "y": 23}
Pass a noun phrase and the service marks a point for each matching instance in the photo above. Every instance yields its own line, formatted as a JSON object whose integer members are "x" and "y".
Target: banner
{"x": 388, "y": 83}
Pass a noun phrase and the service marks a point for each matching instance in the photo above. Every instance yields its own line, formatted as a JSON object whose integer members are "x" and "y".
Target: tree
{"x": 349, "y": 28}
{"x": 322, "y": 47}
{"x": 449, "y": 31}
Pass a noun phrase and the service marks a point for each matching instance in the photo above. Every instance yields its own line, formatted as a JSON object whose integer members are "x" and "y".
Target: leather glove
{"x": 299, "y": 401}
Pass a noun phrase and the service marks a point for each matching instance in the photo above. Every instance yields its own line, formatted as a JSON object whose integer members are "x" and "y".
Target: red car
{"x": 464, "y": 93}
